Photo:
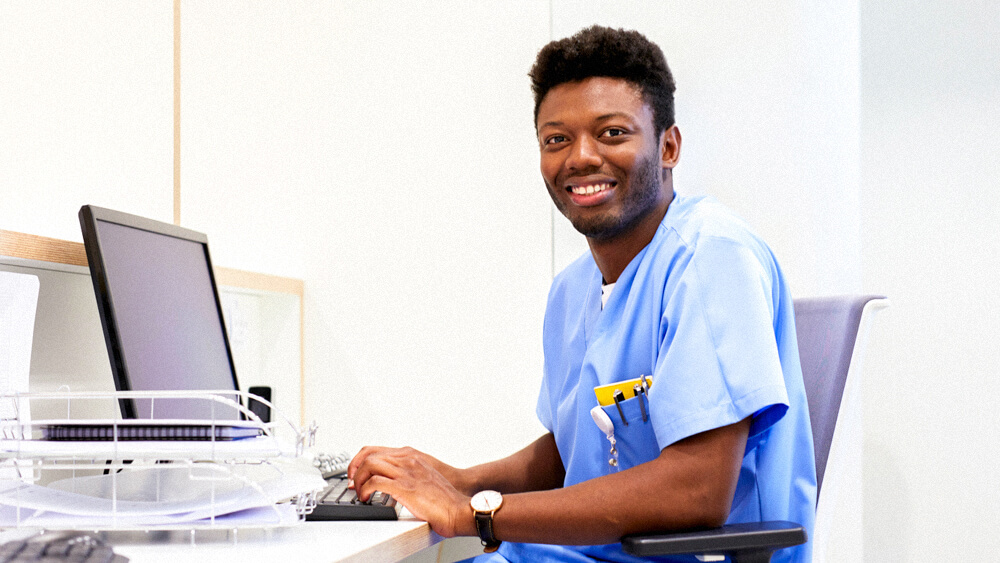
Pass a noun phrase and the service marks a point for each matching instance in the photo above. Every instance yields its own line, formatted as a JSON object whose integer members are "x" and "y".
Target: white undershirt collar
{"x": 606, "y": 293}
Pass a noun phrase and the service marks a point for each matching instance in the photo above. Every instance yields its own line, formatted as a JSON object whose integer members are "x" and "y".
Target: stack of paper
{"x": 164, "y": 496}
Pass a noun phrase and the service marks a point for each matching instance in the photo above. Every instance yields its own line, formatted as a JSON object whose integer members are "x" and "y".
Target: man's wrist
{"x": 465, "y": 481}
{"x": 466, "y": 520}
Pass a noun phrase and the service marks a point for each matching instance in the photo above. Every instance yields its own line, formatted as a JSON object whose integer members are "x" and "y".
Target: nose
{"x": 584, "y": 154}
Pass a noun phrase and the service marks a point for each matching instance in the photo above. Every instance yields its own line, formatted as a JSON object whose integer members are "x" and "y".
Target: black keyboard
{"x": 83, "y": 549}
{"x": 337, "y": 502}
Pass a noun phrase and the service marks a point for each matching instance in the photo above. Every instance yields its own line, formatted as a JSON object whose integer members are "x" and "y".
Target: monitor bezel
{"x": 89, "y": 216}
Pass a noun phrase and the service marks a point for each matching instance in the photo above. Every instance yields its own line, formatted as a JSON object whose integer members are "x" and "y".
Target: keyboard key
{"x": 100, "y": 554}
{"x": 80, "y": 551}
{"x": 31, "y": 551}
{"x": 57, "y": 549}
{"x": 10, "y": 550}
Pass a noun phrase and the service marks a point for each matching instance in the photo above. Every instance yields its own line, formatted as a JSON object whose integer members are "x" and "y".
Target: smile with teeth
{"x": 591, "y": 188}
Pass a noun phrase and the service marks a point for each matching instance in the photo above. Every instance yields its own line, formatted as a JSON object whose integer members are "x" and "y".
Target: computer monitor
{"x": 161, "y": 314}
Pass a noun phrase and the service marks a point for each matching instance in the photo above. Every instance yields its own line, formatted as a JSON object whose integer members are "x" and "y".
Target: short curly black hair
{"x": 614, "y": 53}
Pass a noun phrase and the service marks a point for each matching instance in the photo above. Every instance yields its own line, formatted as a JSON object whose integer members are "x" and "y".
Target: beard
{"x": 643, "y": 193}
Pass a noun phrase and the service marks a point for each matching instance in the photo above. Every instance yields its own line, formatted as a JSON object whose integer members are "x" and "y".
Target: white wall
{"x": 87, "y": 112}
{"x": 930, "y": 111}
{"x": 384, "y": 153}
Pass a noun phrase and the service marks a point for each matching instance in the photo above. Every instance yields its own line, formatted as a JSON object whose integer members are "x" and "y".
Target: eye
{"x": 613, "y": 132}
{"x": 554, "y": 139}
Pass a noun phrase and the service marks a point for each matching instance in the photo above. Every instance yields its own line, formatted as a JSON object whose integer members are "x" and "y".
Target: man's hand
{"x": 417, "y": 481}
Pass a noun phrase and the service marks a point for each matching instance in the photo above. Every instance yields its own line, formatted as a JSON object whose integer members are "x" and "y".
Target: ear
{"x": 670, "y": 147}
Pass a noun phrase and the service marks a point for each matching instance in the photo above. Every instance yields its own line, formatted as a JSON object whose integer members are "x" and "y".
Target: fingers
{"x": 386, "y": 462}
{"x": 376, "y": 483}
{"x": 369, "y": 451}
{"x": 376, "y": 467}
{"x": 360, "y": 458}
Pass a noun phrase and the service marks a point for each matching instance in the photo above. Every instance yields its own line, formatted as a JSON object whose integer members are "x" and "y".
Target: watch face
{"x": 486, "y": 501}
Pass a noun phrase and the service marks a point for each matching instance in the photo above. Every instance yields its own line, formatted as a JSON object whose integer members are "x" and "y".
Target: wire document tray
{"x": 231, "y": 471}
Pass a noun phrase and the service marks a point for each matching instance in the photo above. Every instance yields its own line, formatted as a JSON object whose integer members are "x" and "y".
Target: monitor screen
{"x": 161, "y": 314}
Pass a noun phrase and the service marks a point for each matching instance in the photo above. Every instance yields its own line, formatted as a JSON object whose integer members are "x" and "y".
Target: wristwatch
{"x": 484, "y": 505}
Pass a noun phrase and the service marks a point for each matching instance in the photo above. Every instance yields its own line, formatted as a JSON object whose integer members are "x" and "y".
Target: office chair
{"x": 833, "y": 333}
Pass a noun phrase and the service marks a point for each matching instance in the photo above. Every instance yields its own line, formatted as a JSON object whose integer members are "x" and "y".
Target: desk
{"x": 318, "y": 542}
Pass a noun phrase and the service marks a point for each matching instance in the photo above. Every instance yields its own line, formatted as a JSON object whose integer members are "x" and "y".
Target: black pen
{"x": 640, "y": 390}
{"x": 619, "y": 397}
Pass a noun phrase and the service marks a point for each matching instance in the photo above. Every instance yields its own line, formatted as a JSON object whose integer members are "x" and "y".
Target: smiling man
{"x": 674, "y": 288}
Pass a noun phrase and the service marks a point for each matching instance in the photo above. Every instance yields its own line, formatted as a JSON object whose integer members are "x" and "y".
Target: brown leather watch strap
{"x": 484, "y": 525}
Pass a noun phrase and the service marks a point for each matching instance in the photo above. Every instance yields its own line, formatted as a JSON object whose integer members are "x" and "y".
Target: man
{"x": 675, "y": 288}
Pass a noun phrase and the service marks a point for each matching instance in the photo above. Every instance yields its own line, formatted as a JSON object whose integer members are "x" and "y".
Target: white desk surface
{"x": 317, "y": 542}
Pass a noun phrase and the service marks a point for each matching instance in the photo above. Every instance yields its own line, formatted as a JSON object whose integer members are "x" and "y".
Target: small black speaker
{"x": 258, "y": 408}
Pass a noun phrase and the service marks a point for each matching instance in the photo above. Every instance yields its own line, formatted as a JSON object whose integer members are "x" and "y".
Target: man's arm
{"x": 537, "y": 467}
{"x": 690, "y": 484}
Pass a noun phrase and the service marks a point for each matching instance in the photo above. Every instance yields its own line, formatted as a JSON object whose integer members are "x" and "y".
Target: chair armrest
{"x": 751, "y": 538}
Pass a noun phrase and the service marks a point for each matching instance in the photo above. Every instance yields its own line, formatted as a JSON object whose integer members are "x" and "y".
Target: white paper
{"x": 161, "y": 495}
{"x": 261, "y": 516}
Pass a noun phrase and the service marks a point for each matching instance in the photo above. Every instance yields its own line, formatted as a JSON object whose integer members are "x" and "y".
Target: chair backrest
{"x": 827, "y": 330}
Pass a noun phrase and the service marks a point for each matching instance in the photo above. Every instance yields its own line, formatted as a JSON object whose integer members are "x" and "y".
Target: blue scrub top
{"x": 705, "y": 310}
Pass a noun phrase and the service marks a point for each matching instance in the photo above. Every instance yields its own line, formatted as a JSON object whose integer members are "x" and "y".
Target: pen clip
{"x": 619, "y": 397}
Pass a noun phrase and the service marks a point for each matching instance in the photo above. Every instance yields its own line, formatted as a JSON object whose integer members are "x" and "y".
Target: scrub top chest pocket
{"x": 634, "y": 439}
